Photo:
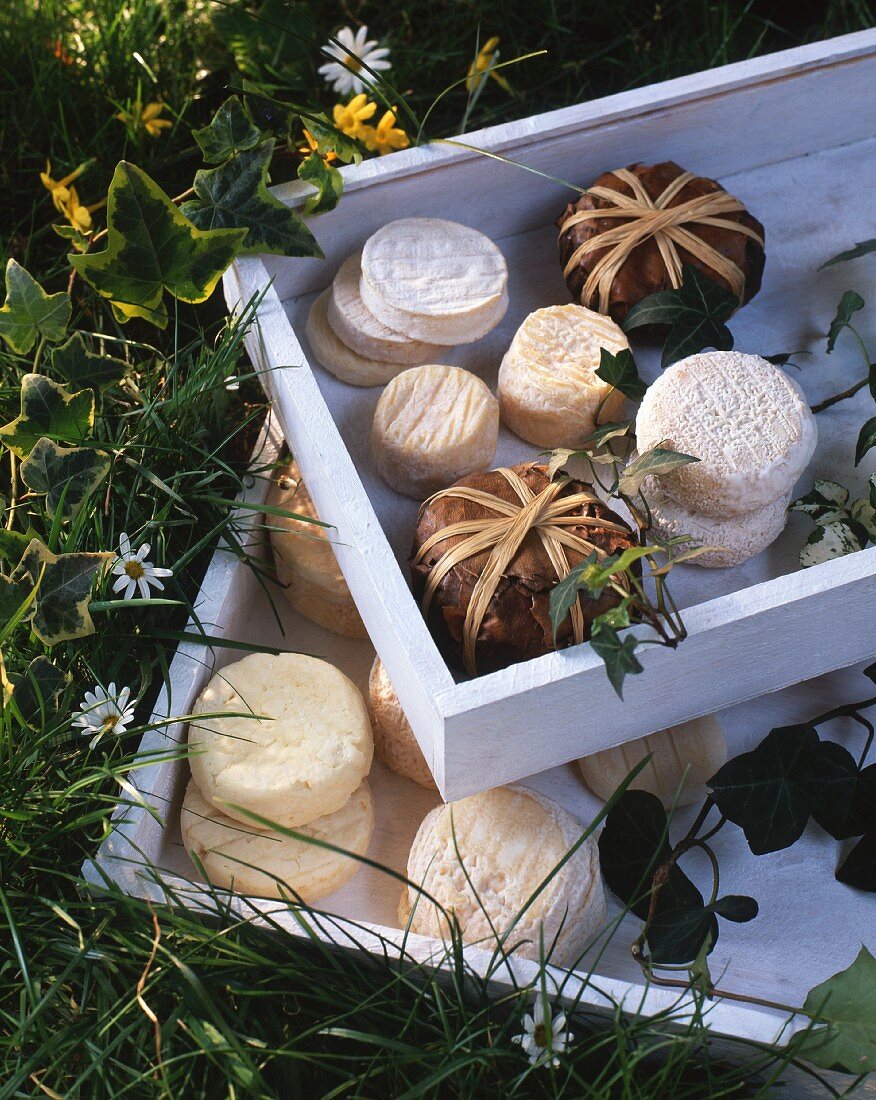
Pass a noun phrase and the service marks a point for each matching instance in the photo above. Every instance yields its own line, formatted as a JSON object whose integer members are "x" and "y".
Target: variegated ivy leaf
{"x": 327, "y": 180}
{"x": 863, "y": 512}
{"x": 329, "y": 139}
{"x": 50, "y": 410}
{"x": 78, "y": 366}
{"x": 66, "y": 475}
{"x": 38, "y": 690}
{"x": 231, "y": 131}
{"x": 14, "y": 543}
{"x": 79, "y": 240}
{"x": 152, "y": 248}
{"x": 866, "y": 440}
{"x": 833, "y": 540}
{"x": 558, "y": 460}
{"x": 13, "y": 596}
{"x": 61, "y": 606}
{"x": 825, "y": 502}
{"x": 235, "y": 196}
{"x": 29, "y": 313}
{"x": 618, "y": 654}
{"x": 658, "y": 460}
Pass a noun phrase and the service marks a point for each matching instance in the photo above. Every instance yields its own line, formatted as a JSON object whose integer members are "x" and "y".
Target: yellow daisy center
{"x": 353, "y": 62}
{"x": 134, "y": 570}
{"x": 540, "y": 1035}
{"x": 109, "y": 723}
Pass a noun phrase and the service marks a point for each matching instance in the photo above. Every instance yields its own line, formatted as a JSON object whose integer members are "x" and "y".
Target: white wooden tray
{"x": 791, "y": 135}
{"x": 800, "y": 902}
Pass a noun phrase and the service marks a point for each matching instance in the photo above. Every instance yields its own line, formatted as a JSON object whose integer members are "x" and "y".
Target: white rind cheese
{"x": 434, "y": 280}
{"x": 433, "y": 425}
{"x": 336, "y": 357}
{"x": 356, "y": 326}
{"x": 549, "y": 393}
{"x": 745, "y": 420}
{"x": 394, "y": 740}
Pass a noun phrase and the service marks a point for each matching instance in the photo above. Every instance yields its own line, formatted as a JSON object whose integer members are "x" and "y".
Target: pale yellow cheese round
{"x": 433, "y": 425}
{"x": 357, "y": 327}
{"x": 304, "y": 559}
{"x": 266, "y": 863}
{"x": 434, "y": 280}
{"x": 549, "y": 393}
{"x": 339, "y": 360}
{"x": 509, "y": 840}
{"x": 394, "y": 740}
{"x": 301, "y": 745}
{"x": 698, "y": 744}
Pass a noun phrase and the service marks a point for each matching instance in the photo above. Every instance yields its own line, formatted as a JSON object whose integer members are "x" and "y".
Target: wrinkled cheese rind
{"x": 509, "y": 839}
{"x": 301, "y": 745}
{"x": 434, "y": 280}
{"x": 698, "y": 744}
{"x": 269, "y": 864}
{"x": 735, "y": 538}
{"x": 357, "y": 327}
{"x": 745, "y": 420}
{"x": 394, "y": 740}
{"x": 549, "y": 392}
{"x": 433, "y": 425}
{"x": 336, "y": 357}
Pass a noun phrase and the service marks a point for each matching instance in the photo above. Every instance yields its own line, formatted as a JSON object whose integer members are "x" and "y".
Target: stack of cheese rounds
{"x": 753, "y": 433}
{"x": 285, "y": 738}
{"x": 394, "y": 741}
{"x": 303, "y": 557}
{"x": 418, "y": 287}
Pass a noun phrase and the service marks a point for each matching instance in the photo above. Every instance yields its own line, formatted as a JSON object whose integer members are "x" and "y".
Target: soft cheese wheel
{"x": 354, "y": 323}
{"x": 509, "y": 840}
{"x": 304, "y": 559}
{"x": 745, "y": 420}
{"x": 735, "y": 538}
{"x": 549, "y": 393}
{"x": 394, "y": 741}
{"x": 267, "y": 863}
{"x": 434, "y": 280}
{"x": 433, "y": 425}
{"x": 339, "y": 360}
{"x": 698, "y": 744}
{"x": 301, "y": 745}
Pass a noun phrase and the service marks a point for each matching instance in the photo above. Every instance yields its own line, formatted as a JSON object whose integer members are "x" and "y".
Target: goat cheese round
{"x": 394, "y": 741}
{"x": 745, "y": 420}
{"x": 549, "y": 393}
{"x": 434, "y": 280}
{"x": 338, "y": 359}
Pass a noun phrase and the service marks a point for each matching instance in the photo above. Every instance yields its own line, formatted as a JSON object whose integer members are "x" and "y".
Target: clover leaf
{"x": 29, "y": 313}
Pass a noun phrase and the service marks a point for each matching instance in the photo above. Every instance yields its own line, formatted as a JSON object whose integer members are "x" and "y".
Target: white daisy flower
{"x": 353, "y": 51}
{"x": 544, "y": 1035}
{"x": 133, "y": 571}
{"x": 104, "y": 711}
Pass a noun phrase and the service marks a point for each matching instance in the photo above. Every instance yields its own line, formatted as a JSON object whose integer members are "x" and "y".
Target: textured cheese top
{"x": 301, "y": 745}
{"x": 509, "y": 840}
{"x": 433, "y": 425}
{"x": 745, "y": 420}
{"x": 267, "y": 863}
{"x": 355, "y": 324}
{"x": 548, "y": 389}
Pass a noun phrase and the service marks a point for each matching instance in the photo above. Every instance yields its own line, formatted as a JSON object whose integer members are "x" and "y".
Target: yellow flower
{"x": 311, "y": 146}
{"x": 350, "y": 118}
{"x": 483, "y": 66}
{"x": 60, "y": 189}
{"x": 386, "y": 135}
{"x": 145, "y": 118}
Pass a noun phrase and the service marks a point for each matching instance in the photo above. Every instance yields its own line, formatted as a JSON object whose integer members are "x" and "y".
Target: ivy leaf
{"x": 14, "y": 543}
{"x": 736, "y": 907}
{"x": 858, "y": 869}
{"x": 30, "y": 313}
{"x": 696, "y": 313}
{"x": 850, "y": 303}
{"x": 860, "y": 249}
{"x": 78, "y": 366}
{"x": 847, "y": 1004}
{"x": 152, "y": 248}
{"x": 13, "y": 593}
{"x": 825, "y": 502}
{"x": 64, "y": 474}
{"x": 61, "y": 607}
{"x": 38, "y": 690}
{"x": 832, "y": 788}
{"x": 49, "y": 410}
{"x": 677, "y": 935}
{"x": 866, "y": 439}
{"x": 658, "y": 460}
{"x": 328, "y": 181}
{"x": 618, "y": 655}
{"x": 767, "y": 791}
{"x": 235, "y": 196}
{"x": 785, "y": 358}
{"x": 231, "y": 131}
{"x": 616, "y": 617}
{"x": 833, "y": 540}
{"x": 329, "y": 139}
{"x": 79, "y": 240}
{"x": 621, "y": 372}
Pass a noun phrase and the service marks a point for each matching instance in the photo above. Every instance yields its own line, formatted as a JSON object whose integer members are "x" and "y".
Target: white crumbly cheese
{"x": 745, "y": 420}
{"x": 434, "y": 280}
{"x": 735, "y": 538}
{"x": 549, "y": 393}
{"x": 394, "y": 740}
{"x": 433, "y": 425}
{"x": 297, "y": 747}
{"x": 698, "y": 745}
{"x": 356, "y": 326}
{"x": 508, "y": 840}
{"x": 339, "y": 360}
{"x": 269, "y": 864}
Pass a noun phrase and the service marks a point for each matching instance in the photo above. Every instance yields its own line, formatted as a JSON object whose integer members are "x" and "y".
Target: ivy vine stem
{"x": 837, "y": 397}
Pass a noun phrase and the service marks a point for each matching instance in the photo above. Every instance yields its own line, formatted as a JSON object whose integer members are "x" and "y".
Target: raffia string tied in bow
{"x": 547, "y": 513}
{"x": 646, "y": 217}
